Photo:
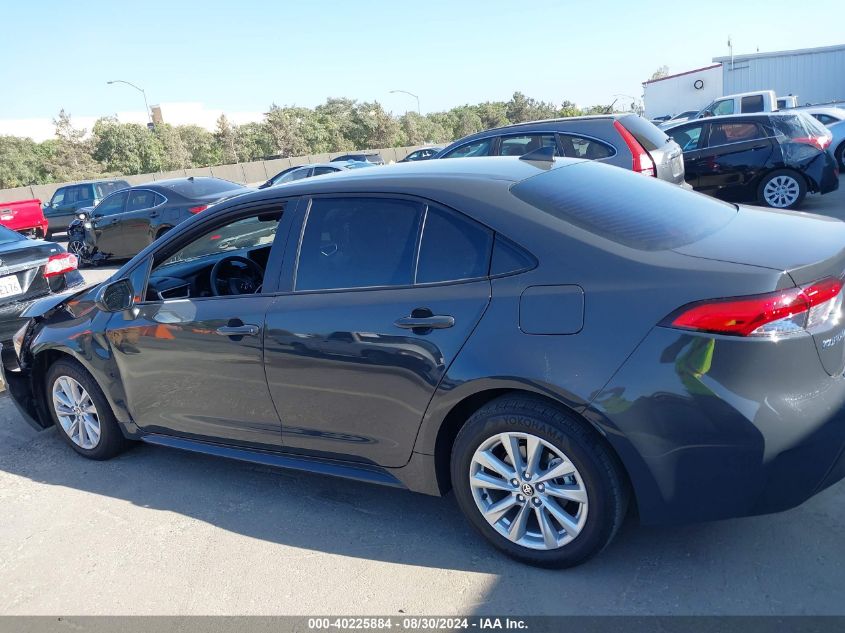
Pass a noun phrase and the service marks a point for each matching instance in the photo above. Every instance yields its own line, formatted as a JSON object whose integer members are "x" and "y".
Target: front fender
{"x": 45, "y": 305}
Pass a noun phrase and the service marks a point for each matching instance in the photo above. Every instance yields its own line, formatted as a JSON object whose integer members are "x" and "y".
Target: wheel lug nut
{"x": 541, "y": 487}
{"x": 527, "y": 476}
{"x": 520, "y": 498}
{"x": 536, "y": 501}
{"x": 514, "y": 483}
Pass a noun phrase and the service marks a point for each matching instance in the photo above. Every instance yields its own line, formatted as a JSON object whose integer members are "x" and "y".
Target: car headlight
{"x": 87, "y": 225}
{"x": 17, "y": 339}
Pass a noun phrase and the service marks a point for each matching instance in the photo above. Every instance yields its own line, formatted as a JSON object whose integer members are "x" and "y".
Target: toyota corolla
{"x": 556, "y": 341}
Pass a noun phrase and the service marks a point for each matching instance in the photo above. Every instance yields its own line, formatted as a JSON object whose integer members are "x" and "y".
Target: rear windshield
{"x": 793, "y": 126}
{"x": 200, "y": 187}
{"x": 103, "y": 189}
{"x": 647, "y": 133}
{"x": 7, "y": 236}
{"x": 630, "y": 209}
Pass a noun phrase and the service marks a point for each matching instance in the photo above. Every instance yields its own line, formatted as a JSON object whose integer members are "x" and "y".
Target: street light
{"x": 141, "y": 90}
{"x": 410, "y": 94}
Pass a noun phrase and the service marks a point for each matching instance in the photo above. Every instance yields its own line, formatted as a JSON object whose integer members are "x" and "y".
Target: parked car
{"x": 128, "y": 220}
{"x": 678, "y": 118}
{"x": 837, "y": 146}
{"x": 29, "y": 270}
{"x": 423, "y": 153}
{"x": 772, "y": 158}
{"x": 360, "y": 157}
{"x": 66, "y": 201}
{"x": 831, "y": 117}
{"x": 624, "y": 140}
{"x": 658, "y": 393}
{"x": 25, "y": 217}
{"x": 314, "y": 169}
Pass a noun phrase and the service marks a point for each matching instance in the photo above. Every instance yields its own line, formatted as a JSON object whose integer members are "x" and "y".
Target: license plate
{"x": 9, "y": 286}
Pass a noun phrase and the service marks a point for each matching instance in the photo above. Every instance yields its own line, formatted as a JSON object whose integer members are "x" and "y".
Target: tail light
{"x": 198, "y": 208}
{"x": 772, "y": 315}
{"x": 60, "y": 264}
{"x": 643, "y": 162}
{"x": 819, "y": 142}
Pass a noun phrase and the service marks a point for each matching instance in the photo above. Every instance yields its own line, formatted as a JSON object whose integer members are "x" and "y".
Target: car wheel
{"x": 537, "y": 482}
{"x": 81, "y": 412}
{"x": 782, "y": 189}
{"x": 77, "y": 247}
{"x": 840, "y": 156}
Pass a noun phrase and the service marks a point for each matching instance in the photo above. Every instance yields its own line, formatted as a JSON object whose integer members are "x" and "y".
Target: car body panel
{"x": 24, "y": 216}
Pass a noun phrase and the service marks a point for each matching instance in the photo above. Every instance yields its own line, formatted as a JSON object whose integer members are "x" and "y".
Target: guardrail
{"x": 244, "y": 173}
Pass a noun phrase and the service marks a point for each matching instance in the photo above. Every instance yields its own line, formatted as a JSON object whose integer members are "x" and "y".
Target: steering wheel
{"x": 246, "y": 280}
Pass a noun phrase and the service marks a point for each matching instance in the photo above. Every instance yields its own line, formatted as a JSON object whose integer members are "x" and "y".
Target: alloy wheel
{"x": 76, "y": 247}
{"x": 528, "y": 490}
{"x": 781, "y": 191}
{"x": 76, "y": 412}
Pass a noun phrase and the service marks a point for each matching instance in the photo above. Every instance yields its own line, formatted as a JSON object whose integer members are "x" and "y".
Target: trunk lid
{"x": 24, "y": 261}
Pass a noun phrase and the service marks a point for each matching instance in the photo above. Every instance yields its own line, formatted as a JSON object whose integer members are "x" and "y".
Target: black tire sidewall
{"x": 839, "y": 156}
{"x": 112, "y": 440}
{"x": 802, "y": 187}
{"x": 602, "y": 519}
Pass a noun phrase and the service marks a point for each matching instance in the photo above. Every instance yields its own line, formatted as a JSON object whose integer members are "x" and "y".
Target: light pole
{"x": 634, "y": 101}
{"x": 141, "y": 90}
{"x": 410, "y": 94}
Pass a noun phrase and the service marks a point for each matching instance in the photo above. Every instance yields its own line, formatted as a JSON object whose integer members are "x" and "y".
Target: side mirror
{"x": 115, "y": 296}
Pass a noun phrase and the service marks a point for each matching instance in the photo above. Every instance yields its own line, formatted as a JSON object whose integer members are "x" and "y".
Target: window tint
{"x": 58, "y": 197}
{"x": 725, "y": 133}
{"x": 358, "y": 243}
{"x": 790, "y": 126}
{"x": 143, "y": 199}
{"x": 102, "y": 189}
{"x": 688, "y": 138}
{"x": 826, "y": 119}
{"x": 296, "y": 174}
{"x": 319, "y": 171}
{"x": 476, "y": 148}
{"x": 453, "y": 247}
{"x": 723, "y": 107}
{"x": 521, "y": 145}
{"x": 624, "y": 208}
{"x": 580, "y": 147}
{"x": 509, "y": 258}
{"x": 752, "y": 103}
{"x": 198, "y": 187}
{"x": 647, "y": 133}
{"x": 113, "y": 204}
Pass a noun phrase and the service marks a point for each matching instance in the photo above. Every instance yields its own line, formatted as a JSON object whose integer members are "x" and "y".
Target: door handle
{"x": 238, "y": 330}
{"x": 433, "y": 322}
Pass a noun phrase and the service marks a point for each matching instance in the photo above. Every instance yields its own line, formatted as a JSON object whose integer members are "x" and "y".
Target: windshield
{"x": 8, "y": 236}
{"x": 247, "y": 233}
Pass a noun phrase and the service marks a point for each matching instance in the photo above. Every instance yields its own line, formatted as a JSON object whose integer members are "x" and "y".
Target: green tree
{"x": 71, "y": 157}
{"x": 127, "y": 148}
{"x": 493, "y": 114}
{"x": 199, "y": 145}
{"x": 521, "y": 108}
{"x": 224, "y": 139}
{"x": 174, "y": 153}
{"x": 253, "y": 141}
{"x": 20, "y": 162}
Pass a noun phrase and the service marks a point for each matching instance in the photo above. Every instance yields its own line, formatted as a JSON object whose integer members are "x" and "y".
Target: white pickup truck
{"x": 745, "y": 102}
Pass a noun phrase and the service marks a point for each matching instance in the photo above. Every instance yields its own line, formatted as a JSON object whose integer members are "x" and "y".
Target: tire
{"x": 840, "y": 156}
{"x": 782, "y": 189}
{"x": 597, "y": 480}
{"x": 110, "y": 440}
{"x": 162, "y": 232}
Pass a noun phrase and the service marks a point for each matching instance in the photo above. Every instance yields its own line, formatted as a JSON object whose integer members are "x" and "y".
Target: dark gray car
{"x": 66, "y": 201}
{"x": 624, "y": 140}
{"x": 554, "y": 341}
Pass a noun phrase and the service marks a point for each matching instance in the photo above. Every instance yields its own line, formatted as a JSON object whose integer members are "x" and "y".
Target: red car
{"x": 25, "y": 217}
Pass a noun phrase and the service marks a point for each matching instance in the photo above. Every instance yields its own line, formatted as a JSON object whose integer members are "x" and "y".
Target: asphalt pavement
{"x": 156, "y": 531}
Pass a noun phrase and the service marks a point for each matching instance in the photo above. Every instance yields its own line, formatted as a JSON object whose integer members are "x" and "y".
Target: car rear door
{"x": 384, "y": 291}
{"x": 138, "y": 220}
{"x": 736, "y": 154}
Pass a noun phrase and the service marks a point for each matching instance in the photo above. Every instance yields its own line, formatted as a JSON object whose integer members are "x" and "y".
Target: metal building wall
{"x": 816, "y": 75}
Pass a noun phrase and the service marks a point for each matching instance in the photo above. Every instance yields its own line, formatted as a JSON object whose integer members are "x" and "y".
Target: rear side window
{"x": 796, "y": 126}
{"x": 751, "y": 103}
{"x": 689, "y": 138}
{"x": 624, "y": 207}
{"x": 143, "y": 199}
{"x": 358, "y": 243}
{"x": 453, "y": 247}
{"x": 319, "y": 171}
{"x": 580, "y": 147}
{"x": 475, "y": 148}
{"x": 724, "y": 133}
{"x": 199, "y": 187}
{"x": 647, "y": 133}
{"x": 102, "y": 189}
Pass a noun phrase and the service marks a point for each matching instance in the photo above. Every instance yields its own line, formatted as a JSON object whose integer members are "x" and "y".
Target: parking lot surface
{"x": 156, "y": 531}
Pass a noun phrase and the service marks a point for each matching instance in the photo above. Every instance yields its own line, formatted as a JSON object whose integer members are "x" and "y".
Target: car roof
{"x": 169, "y": 182}
{"x": 729, "y": 117}
{"x": 95, "y": 182}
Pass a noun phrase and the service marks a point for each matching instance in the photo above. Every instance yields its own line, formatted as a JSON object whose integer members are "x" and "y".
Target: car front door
{"x": 691, "y": 137}
{"x": 105, "y": 224}
{"x": 735, "y": 155}
{"x": 384, "y": 291}
{"x": 136, "y": 223}
{"x": 192, "y": 360}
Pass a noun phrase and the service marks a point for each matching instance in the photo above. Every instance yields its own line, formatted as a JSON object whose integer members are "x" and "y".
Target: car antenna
{"x": 546, "y": 154}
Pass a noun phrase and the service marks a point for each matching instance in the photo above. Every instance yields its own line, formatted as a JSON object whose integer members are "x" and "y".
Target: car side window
{"x": 689, "y": 138}
{"x": 113, "y": 204}
{"x": 58, "y": 197}
{"x": 475, "y": 148}
{"x": 71, "y": 195}
{"x": 296, "y": 174}
{"x": 453, "y": 247}
{"x": 524, "y": 143}
{"x": 723, "y": 133}
{"x": 143, "y": 199}
{"x": 825, "y": 119}
{"x": 752, "y": 103}
{"x": 358, "y": 243}
{"x": 319, "y": 171}
{"x": 579, "y": 147}
{"x": 720, "y": 108}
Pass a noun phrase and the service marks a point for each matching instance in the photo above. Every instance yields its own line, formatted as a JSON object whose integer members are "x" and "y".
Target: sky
{"x": 242, "y": 56}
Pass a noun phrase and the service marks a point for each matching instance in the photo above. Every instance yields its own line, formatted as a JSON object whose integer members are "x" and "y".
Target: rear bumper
{"x": 713, "y": 427}
{"x": 19, "y": 387}
{"x": 10, "y": 313}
